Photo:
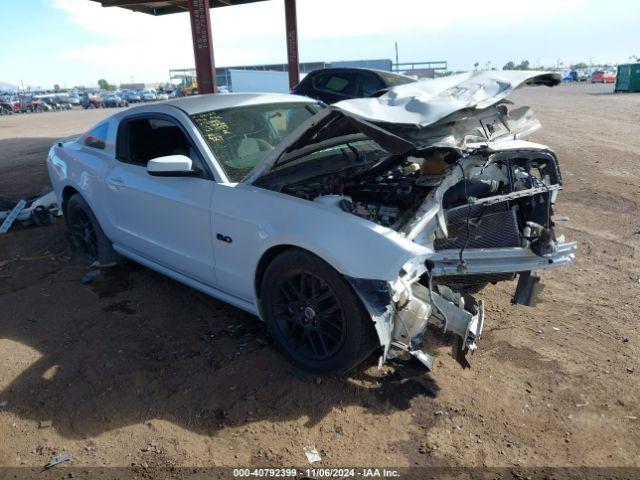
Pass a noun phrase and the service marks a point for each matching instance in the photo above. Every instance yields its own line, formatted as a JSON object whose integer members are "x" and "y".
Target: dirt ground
{"x": 136, "y": 369}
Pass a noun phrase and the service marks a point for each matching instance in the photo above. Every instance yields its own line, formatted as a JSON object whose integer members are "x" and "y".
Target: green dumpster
{"x": 628, "y": 78}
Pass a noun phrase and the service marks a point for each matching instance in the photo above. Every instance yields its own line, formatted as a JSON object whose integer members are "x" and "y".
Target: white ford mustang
{"x": 346, "y": 228}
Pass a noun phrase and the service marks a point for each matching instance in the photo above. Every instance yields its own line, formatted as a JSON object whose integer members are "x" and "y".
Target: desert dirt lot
{"x": 136, "y": 369}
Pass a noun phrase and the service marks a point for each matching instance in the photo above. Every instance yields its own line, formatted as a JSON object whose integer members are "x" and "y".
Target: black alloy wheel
{"x": 83, "y": 234}
{"x": 86, "y": 233}
{"x": 309, "y": 316}
{"x": 314, "y": 315}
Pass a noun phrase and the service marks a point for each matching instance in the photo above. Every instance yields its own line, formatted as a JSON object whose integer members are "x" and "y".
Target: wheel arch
{"x": 67, "y": 193}
{"x": 267, "y": 257}
{"x": 372, "y": 299}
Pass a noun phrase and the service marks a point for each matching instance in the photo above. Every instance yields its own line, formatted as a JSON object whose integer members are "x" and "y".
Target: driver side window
{"x": 142, "y": 139}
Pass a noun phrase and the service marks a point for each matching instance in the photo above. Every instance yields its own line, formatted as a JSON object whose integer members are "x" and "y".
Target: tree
{"x": 510, "y": 65}
{"x": 104, "y": 85}
{"x": 579, "y": 65}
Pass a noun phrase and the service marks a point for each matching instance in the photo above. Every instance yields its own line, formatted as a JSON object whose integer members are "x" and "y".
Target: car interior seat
{"x": 251, "y": 146}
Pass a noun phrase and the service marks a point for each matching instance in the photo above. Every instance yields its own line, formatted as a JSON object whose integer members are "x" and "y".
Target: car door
{"x": 163, "y": 219}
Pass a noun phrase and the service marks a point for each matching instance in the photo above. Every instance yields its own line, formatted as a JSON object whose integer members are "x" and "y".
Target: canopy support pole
{"x": 291, "y": 22}
{"x": 202, "y": 45}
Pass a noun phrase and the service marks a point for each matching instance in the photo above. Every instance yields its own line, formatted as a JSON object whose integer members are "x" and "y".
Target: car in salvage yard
{"x": 111, "y": 100}
{"x": 331, "y": 85}
{"x": 346, "y": 229}
{"x": 603, "y": 76}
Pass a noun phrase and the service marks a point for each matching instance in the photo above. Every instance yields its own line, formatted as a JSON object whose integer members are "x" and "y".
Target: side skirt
{"x": 201, "y": 287}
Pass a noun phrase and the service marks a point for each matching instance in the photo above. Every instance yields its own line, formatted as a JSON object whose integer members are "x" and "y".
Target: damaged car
{"x": 347, "y": 229}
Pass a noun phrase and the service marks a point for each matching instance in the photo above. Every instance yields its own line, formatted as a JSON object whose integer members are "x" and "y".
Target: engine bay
{"x": 390, "y": 192}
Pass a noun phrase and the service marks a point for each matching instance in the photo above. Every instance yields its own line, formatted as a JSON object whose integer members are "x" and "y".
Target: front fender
{"x": 257, "y": 220}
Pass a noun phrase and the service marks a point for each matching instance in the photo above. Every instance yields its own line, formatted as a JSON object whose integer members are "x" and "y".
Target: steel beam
{"x": 125, "y": 3}
{"x": 293, "y": 60}
{"x": 203, "y": 45}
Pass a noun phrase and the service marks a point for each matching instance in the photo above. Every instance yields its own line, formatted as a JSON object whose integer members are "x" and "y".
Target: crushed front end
{"x": 439, "y": 165}
{"x": 488, "y": 218}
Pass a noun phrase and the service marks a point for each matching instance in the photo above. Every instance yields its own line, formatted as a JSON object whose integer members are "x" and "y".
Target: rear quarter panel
{"x": 72, "y": 164}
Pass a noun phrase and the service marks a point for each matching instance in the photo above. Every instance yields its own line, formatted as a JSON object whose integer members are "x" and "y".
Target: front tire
{"x": 86, "y": 234}
{"x": 314, "y": 315}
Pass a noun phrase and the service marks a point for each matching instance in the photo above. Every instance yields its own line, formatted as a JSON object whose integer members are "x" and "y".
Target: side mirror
{"x": 171, "y": 166}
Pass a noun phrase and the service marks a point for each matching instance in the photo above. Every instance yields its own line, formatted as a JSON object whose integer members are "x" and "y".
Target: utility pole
{"x": 397, "y": 57}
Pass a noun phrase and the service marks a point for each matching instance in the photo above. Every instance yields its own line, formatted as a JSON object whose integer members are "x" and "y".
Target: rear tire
{"x": 316, "y": 318}
{"x": 87, "y": 236}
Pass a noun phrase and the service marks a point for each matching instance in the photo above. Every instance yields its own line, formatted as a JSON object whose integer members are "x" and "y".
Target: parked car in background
{"x": 74, "y": 98}
{"x": 579, "y": 75}
{"x": 35, "y": 104}
{"x": 112, "y": 100}
{"x": 162, "y": 96}
{"x": 132, "y": 97}
{"x": 9, "y": 105}
{"x": 347, "y": 229}
{"x": 148, "y": 95}
{"x": 92, "y": 100}
{"x": 331, "y": 85}
{"x": 57, "y": 102}
{"x": 603, "y": 76}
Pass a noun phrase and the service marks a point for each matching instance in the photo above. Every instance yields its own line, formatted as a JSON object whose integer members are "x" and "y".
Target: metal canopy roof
{"x": 159, "y": 7}
{"x": 201, "y": 31}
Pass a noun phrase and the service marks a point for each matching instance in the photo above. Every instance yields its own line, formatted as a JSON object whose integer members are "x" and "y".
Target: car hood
{"x": 429, "y": 101}
{"x": 446, "y": 112}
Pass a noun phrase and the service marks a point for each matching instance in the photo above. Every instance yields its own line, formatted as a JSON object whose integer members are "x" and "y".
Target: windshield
{"x": 241, "y": 137}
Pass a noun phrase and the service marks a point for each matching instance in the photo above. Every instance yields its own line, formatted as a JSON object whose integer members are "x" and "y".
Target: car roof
{"x": 219, "y": 101}
{"x": 356, "y": 69}
{"x": 344, "y": 69}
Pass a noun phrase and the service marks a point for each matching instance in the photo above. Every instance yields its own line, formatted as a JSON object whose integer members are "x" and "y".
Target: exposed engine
{"x": 391, "y": 197}
{"x": 380, "y": 198}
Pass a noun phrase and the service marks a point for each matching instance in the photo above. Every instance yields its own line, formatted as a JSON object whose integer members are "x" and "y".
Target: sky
{"x": 77, "y": 42}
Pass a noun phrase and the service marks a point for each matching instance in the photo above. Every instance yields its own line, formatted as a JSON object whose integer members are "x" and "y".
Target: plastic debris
{"x": 312, "y": 454}
{"x": 13, "y": 214}
{"x": 57, "y": 460}
{"x": 44, "y": 207}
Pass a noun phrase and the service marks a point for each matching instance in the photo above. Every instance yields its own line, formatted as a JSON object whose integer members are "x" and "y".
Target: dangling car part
{"x": 345, "y": 228}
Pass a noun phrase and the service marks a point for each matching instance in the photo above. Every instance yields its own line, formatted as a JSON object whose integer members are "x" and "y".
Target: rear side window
{"x": 341, "y": 83}
{"x": 97, "y": 138}
{"x": 370, "y": 85}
